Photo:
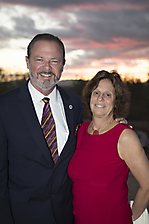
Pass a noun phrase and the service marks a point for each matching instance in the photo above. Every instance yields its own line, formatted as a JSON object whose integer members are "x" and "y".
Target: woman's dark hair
{"x": 46, "y": 37}
{"x": 122, "y": 93}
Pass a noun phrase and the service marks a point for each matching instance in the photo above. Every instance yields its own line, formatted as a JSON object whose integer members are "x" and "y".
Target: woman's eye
{"x": 95, "y": 93}
{"x": 108, "y": 95}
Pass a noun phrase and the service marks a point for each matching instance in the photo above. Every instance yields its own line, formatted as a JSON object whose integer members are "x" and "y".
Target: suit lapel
{"x": 29, "y": 115}
{"x": 68, "y": 107}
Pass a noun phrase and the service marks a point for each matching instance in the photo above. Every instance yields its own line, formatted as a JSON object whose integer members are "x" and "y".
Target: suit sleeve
{"x": 5, "y": 210}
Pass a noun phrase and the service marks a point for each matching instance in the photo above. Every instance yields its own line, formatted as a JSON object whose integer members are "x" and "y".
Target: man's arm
{"x": 5, "y": 210}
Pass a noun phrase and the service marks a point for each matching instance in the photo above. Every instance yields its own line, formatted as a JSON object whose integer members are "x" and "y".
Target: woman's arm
{"x": 133, "y": 154}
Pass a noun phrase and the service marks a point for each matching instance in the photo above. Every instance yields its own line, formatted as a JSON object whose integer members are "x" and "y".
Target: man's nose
{"x": 48, "y": 65}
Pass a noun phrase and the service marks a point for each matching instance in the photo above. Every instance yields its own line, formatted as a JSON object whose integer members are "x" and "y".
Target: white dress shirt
{"x": 58, "y": 112}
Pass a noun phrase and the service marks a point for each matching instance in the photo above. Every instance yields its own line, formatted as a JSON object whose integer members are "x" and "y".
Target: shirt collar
{"x": 37, "y": 96}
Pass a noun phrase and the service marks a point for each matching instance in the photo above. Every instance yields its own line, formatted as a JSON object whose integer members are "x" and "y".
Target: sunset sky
{"x": 97, "y": 34}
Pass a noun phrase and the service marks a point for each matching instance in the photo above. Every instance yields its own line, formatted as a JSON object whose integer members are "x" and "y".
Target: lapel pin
{"x": 70, "y": 107}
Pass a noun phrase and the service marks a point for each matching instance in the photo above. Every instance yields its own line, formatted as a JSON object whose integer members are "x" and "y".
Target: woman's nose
{"x": 101, "y": 96}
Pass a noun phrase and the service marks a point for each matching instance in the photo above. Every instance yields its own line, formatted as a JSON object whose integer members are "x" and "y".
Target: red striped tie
{"x": 49, "y": 131}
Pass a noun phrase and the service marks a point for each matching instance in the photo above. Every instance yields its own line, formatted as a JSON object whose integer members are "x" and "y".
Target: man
{"x": 34, "y": 189}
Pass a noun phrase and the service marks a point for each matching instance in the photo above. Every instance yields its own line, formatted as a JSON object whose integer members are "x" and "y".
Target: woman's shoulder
{"x": 128, "y": 143}
{"x": 82, "y": 127}
{"x": 124, "y": 126}
{"x": 128, "y": 134}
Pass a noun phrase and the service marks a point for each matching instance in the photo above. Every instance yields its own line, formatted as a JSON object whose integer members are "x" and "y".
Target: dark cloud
{"x": 60, "y": 3}
{"x": 117, "y": 29}
{"x": 104, "y": 26}
{"x": 99, "y": 25}
{"x": 23, "y": 28}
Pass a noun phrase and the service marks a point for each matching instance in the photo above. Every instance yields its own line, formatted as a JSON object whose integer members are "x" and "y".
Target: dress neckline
{"x": 102, "y": 132}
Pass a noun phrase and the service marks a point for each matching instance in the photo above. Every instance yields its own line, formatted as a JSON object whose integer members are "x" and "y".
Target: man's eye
{"x": 54, "y": 61}
{"x": 38, "y": 59}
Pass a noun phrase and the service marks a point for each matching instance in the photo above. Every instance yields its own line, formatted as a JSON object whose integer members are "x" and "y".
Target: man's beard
{"x": 46, "y": 84}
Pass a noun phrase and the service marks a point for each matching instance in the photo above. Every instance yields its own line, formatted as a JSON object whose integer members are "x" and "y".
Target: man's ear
{"x": 27, "y": 61}
{"x": 64, "y": 62}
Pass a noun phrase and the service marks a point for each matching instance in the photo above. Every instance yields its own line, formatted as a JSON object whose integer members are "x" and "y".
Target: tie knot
{"x": 46, "y": 100}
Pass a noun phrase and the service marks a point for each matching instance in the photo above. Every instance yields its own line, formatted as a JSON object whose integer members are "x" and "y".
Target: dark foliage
{"x": 139, "y": 108}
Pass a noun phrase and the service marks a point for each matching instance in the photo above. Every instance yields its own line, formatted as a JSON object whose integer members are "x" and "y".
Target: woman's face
{"x": 103, "y": 99}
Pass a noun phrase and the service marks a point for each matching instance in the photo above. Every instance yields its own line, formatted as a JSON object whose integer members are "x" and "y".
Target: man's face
{"x": 45, "y": 65}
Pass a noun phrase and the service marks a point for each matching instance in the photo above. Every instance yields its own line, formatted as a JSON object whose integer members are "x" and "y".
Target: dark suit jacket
{"x": 32, "y": 189}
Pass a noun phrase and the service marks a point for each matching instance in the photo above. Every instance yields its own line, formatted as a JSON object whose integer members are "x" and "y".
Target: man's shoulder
{"x": 68, "y": 93}
{"x": 8, "y": 95}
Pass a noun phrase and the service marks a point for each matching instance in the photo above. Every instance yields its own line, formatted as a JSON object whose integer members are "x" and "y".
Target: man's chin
{"x": 47, "y": 87}
{"x": 43, "y": 85}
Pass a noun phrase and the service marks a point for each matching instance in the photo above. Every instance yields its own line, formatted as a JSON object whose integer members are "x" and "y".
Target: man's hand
{"x": 122, "y": 120}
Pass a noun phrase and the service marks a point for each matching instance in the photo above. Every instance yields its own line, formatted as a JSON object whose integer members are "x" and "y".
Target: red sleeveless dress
{"x": 99, "y": 177}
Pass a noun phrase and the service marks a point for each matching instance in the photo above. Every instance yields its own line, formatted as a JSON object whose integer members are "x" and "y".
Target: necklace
{"x": 96, "y": 131}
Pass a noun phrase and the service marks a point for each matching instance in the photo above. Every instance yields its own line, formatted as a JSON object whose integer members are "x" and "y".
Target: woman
{"x": 106, "y": 151}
